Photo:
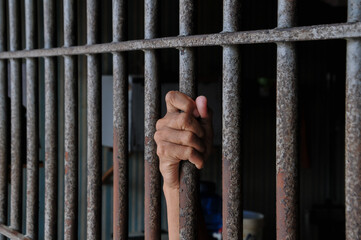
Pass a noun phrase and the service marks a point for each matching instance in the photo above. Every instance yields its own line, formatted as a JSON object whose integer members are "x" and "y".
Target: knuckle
{"x": 157, "y": 136}
{"x": 161, "y": 150}
{"x": 189, "y": 137}
{"x": 169, "y": 97}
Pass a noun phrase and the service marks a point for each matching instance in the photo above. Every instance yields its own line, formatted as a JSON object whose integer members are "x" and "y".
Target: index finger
{"x": 177, "y": 101}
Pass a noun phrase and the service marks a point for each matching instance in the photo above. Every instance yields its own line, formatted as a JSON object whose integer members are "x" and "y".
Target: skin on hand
{"x": 184, "y": 133}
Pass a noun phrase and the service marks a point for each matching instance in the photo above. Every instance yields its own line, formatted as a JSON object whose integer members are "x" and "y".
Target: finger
{"x": 171, "y": 150}
{"x": 177, "y": 101}
{"x": 201, "y": 103}
{"x": 181, "y": 121}
{"x": 185, "y": 138}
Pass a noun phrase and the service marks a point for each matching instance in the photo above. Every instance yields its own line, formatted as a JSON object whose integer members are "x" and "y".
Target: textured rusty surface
{"x": 152, "y": 175}
{"x": 51, "y": 143}
{"x": 71, "y": 125}
{"x": 32, "y": 127}
{"x": 287, "y": 197}
{"x": 308, "y": 33}
{"x": 4, "y": 122}
{"x": 287, "y": 179}
{"x": 120, "y": 125}
{"x": 152, "y": 201}
{"x": 189, "y": 184}
{"x": 16, "y": 104}
{"x": 353, "y": 129}
{"x": 231, "y": 146}
{"x": 232, "y": 136}
{"x": 12, "y": 234}
{"x": 94, "y": 126}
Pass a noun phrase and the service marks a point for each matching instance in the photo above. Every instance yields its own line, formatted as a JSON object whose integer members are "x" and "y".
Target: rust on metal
{"x": 152, "y": 201}
{"x": 16, "y": 104}
{"x": 71, "y": 124}
{"x": 189, "y": 184}
{"x": 232, "y": 135}
{"x": 353, "y": 129}
{"x": 51, "y": 143}
{"x": 32, "y": 121}
{"x": 120, "y": 125}
{"x": 287, "y": 191}
{"x": 306, "y": 33}
{"x": 12, "y": 234}
{"x": 4, "y": 122}
{"x": 94, "y": 177}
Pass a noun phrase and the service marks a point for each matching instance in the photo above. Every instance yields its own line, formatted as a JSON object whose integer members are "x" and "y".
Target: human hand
{"x": 184, "y": 133}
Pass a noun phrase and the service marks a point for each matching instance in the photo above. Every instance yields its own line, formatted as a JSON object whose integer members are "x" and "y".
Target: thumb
{"x": 202, "y": 108}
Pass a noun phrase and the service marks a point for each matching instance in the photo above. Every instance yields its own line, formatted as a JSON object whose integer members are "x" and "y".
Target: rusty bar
{"x": 120, "y": 124}
{"x": 32, "y": 128}
{"x": 71, "y": 125}
{"x": 16, "y": 105}
{"x": 4, "y": 122}
{"x": 353, "y": 129}
{"x": 287, "y": 192}
{"x": 189, "y": 182}
{"x": 152, "y": 201}
{"x": 232, "y": 135}
{"x": 51, "y": 143}
{"x": 307, "y": 33}
{"x": 12, "y": 234}
{"x": 94, "y": 125}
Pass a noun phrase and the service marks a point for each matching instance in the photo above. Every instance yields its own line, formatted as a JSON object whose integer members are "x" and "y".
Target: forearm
{"x": 172, "y": 199}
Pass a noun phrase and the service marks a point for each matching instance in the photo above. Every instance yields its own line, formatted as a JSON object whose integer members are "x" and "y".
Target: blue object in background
{"x": 211, "y": 206}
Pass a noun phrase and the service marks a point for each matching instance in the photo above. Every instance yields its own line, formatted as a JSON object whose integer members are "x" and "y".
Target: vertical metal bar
{"x": 16, "y": 104}
{"x": 32, "y": 131}
{"x": 353, "y": 129}
{"x": 94, "y": 125}
{"x": 51, "y": 143}
{"x": 71, "y": 124}
{"x": 232, "y": 135}
{"x": 189, "y": 185}
{"x": 120, "y": 124}
{"x": 4, "y": 142}
{"x": 286, "y": 130}
{"x": 152, "y": 213}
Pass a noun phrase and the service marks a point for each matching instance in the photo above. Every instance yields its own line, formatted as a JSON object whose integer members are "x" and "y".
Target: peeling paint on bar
{"x": 32, "y": 123}
{"x": 51, "y": 143}
{"x": 307, "y": 33}
{"x": 152, "y": 201}
{"x": 4, "y": 122}
{"x": 71, "y": 125}
{"x": 231, "y": 133}
{"x": 353, "y": 129}
{"x": 189, "y": 179}
{"x": 16, "y": 105}
{"x": 287, "y": 190}
{"x": 94, "y": 125}
{"x": 120, "y": 125}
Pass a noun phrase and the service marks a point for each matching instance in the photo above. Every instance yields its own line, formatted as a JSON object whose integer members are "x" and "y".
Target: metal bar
{"x": 71, "y": 124}
{"x": 12, "y": 234}
{"x": 308, "y": 33}
{"x": 94, "y": 125}
{"x": 232, "y": 135}
{"x": 287, "y": 192}
{"x": 32, "y": 127}
{"x": 51, "y": 143}
{"x": 152, "y": 213}
{"x": 353, "y": 129}
{"x": 120, "y": 124}
{"x": 16, "y": 105}
{"x": 189, "y": 176}
{"x": 4, "y": 122}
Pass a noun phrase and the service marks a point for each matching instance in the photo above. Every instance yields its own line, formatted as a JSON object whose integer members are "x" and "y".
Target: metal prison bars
{"x": 286, "y": 153}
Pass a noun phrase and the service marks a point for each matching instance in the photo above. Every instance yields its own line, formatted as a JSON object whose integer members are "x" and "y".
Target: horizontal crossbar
{"x": 308, "y": 33}
{"x": 12, "y": 234}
